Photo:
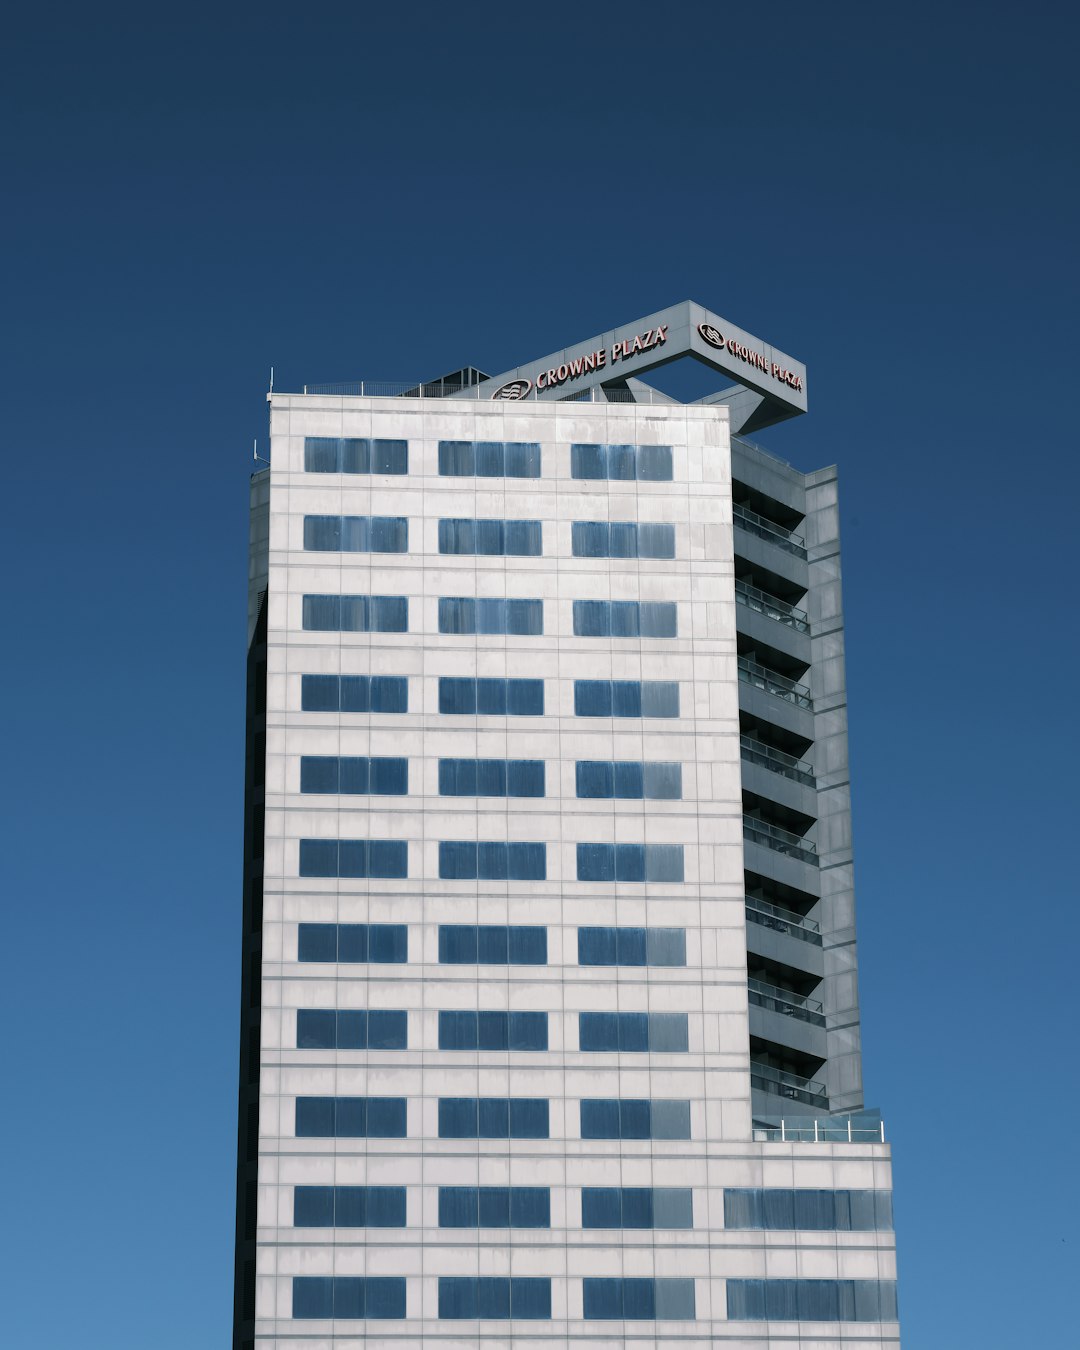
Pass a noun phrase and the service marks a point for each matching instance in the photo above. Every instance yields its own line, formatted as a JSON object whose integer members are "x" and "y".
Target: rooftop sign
{"x": 628, "y": 352}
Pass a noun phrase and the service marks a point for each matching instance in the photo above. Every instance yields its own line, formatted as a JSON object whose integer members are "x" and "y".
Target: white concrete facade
{"x": 712, "y": 1075}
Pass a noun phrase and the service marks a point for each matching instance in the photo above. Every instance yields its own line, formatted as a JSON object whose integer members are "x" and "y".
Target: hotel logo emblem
{"x": 711, "y": 335}
{"x": 513, "y": 389}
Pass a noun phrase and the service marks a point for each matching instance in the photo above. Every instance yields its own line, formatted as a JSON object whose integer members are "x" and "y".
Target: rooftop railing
{"x": 860, "y": 1128}
{"x": 784, "y": 1001}
{"x": 768, "y": 530}
{"x": 774, "y": 683}
{"x": 783, "y": 921}
{"x": 783, "y": 1084}
{"x": 780, "y": 841}
{"x": 772, "y": 607}
{"x": 756, "y": 752}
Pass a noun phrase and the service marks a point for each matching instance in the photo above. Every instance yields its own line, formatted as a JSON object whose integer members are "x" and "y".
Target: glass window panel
{"x": 528, "y": 946}
{"x": 321, "y": 454}
{"x": 457, "y": 459}
{"x": 628, "y": 778}
{"x": 493, "y": 1030}
{"x": 523, "y": 459}
{"x": 629, "y": 862}
{"x": 525, "y": 778}
{"x": 490, "y": 538}
{"x": 625, "y": 618}
{"x": 742, "y": 1208}
{"x": 494, "y": 1118}
{"x": 457, "y": 614}
{"x": 312, "y": 1296}
{"x": 319, "y": 773}
{"x": 632, "y": 947}
{"x": 494, "y": 944}
{"x": 602, "y": 1298}
{"x": 385, "y": 1296}
{"x": 355, "y": 614}
{"x": 389, "y": 534}
{"x": 353, "y": 942}
{"x": 626, "y": 698}
{"x": 355, "y": 454}
{"x": 322, "y": 534}
{"x": 525, "y": 617}
{"x": 530, "y": 1298}
{"x": 668, "y": 1033}
{"x": 528, "y": 1118}
{"x": 315, "y": 1029}
{"x": 814, "y": 1210}
{"x": 778, "y": 1208}
{"x": 355, "y": 534}
{"x": 675, "y": 1300}
{"x": 354, "y": 774}
{"x": 390, "y": 614}
{"x": 457, "y": 1030}
{"x": 633, "y": 1031}
{"x": 883, "y": 1212}
{"x": 525, "y": 698}
{"x": 490, "y": 459}
{"x": 664, "y": 862}
{"x": 494, "y": 1206}
{"x": 457, "y": 860}
{"x": 389, "y": 943}
{"x": 491, "y": 697}
{"x": 670, "y": 1120}
{"x": 457, "y": 944}
{"x": 654, "y": 464}
{"x": 530, "y": 1207}
{"x": 388, "y": 1029}
{"x": 596, "y": 862}
{"x": 635, "y": 1119}
{"x": 862, "y": 1211}
{"x": 527, "y": 862}
{"x": 524, "y": 538}
{"x": 355, "y": 693}
{"x": 491, "y": 861}
{"x": 313, "y": 1207}
{"x": 659, "y": 619}
{"x": 458, "y": 1207}
{"x": 594, "y": 778}
{"x": 666, "y": 946}
{"x": 811, "y": 1300}
{"x": 592, "y": 698}
{"x": 315, "y": 1117}
{"x": 588, "y": 539}
{"x": 490, "y": 778}
{"x": 350, "y": 1207}
{"x": 493, "y": 1296}
{"x": 457, "y": 1117}
{"x": 351, "y": 1117}
{"x": 622, "y": 539}
{"x": 601, "y": 1207}
{"x": 621, "y": 462}
{"x": 663, "y": 781}
{"x": 352, "y": 1029}
{"x": 639, "y": 1298}
{"x": 389, "y": 456}
{"x": 317, "y": 942}
{"x": 592, "y": 618}
{"x": 387, "y": 1117}
{"x": 490, "y": 616}
{"x": 389, "y": 858}
{"x": 673, "y": 1207}
{"x": 386, "y": 1206}
{"x": 598, "y": 1031}
{"x": 746, "y": 1300}
{"x": 659, "y": 698}
{"x": 459, "y": 1297}
{"x": 389, "y": 694}
{"x": 588, "y": 461}
{"x": 599, "y": 1119}
{"x": 656, "y": 541}
{"x": 457, "y": 696}
{"x": 322, "y": 613}
{"x": 318, "y": 857}
{"x": 597, "y": 947}
{"x": 320, "y": 693}
{"x": 528, "y": 1031}
{"x": 637, "y": 1206}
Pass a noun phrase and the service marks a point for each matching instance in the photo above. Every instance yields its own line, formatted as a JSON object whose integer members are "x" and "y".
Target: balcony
{"x": 752, "y": 523}
{"x": 780, "y": 841}
{"x": 771, "y": 606}
{"x": 769, "y": 996}
{"x": 756, "y": 752}
{"x": 790, "y": 1085}
{"x": 783, "y": 921}
{"x": 860, "y": 1127}
{"x": 774, "y": 683}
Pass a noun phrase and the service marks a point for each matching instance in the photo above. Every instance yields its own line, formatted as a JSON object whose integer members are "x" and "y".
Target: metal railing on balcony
{"x": 782, "y": 921}
{"x": 784, "y": 1001}
{"x": 783, "y": 1084}
{"x": 772, "y": 607}
{"x": 780, "y": 841}
{"x": 752, "y": 523}
{"x": 774, "y": 683}
{"x": 864, "y": 1127}
{"x": 756, "y": 752}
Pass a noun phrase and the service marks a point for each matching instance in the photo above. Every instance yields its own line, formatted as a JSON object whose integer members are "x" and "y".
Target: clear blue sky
{"x": 195, "y": 193}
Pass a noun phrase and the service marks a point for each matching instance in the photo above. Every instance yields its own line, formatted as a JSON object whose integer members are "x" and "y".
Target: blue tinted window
{"x": 353, "y": 942}
{"x": 489, "y": 459}
{"x": 656, "y": 781}
{"x": 355, "y": 774}
{"x": 336, "y": 454}
{"x": 630, "y": 862}
{"x": 494, "y": 1207}
{"x": 354, "y": 693}
{"x": 634, "y": 1118}
{"x": 493, "y": 538}
{"x": 356, "y": 613}
{"x": 354, "y": 858}
{"x": 349, "y": 1207}
{"x": 633, "y": 1031}
{"x": 491, "y": 777}
{"x": 356, "y": 534}
{"x": 351, "y": 1117}
{"x": 811, "y": 1300}
{"x": 636, "y": 1207}
{"x": 461, "y": 614}
{"x": 811, "y": 1210}
{"x": 492, "y": 944}
{"x": 344, "y": 1296}
{"x": 467, "y": 1297}
{"x": 649, "y": 463}
{"x": 621, "y": 539}
{"x": 465, "y": 861}
{"x": 493, "y": 1031}
{"x": 493, "y": 1118}
{"x": 614, "y": 1299}
{"x": 516, "y": 698}
{"x": 625, "y": 618}
{"x": 631, "y": 947}
{"x": 626, "y": 698}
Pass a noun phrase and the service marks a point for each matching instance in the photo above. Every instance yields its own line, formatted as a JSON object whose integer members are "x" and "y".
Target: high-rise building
{"x": 550, "y": 1011}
